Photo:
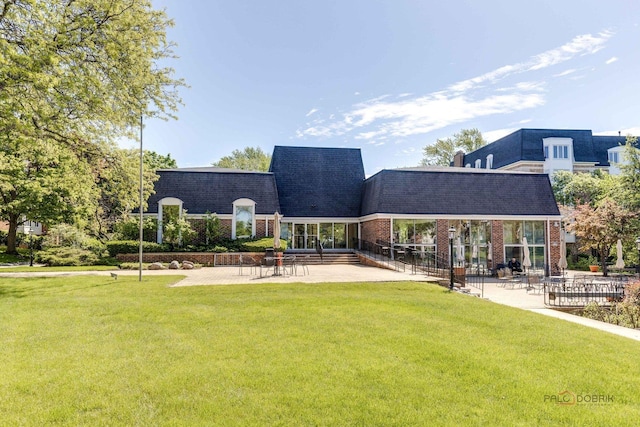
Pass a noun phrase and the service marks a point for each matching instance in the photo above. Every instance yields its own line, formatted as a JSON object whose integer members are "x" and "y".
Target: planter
{"x": 458, "y": 271}
{"x": 594, "y": 268}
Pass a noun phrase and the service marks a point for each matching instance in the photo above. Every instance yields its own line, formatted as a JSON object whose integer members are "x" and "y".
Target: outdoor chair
{"x": 268, "y": 262}
{"x": 289, "y": 265}
{"x": 535, "y": 284}
{"x": 250, "y": 262}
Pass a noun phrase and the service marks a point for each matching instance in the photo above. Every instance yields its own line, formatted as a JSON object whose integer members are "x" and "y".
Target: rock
{"x": 156, "y": 266}
{"x": 175, "y": 265}
{"x": 187, "y": 265}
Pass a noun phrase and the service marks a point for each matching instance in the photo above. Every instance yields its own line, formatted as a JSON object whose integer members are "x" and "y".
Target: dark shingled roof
{"x": 318, "y": 182}
{"x": 462, "y": 192}
{"x": 526, "y": 145}
{"x": 215, "y": 190}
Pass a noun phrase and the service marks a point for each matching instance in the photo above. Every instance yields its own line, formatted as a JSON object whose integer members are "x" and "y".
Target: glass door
{"x": 305, "y": 236}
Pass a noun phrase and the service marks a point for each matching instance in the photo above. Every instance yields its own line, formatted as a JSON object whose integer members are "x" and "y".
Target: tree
{"x": 600, "y": 228}
{"x": 117, "y": 178}
{"x": 630, "y": 169}
{"x": 572, "y": 189}
{"x": 155, "y": 161}
{"x": 442, "y": 152}
{"x": 45, "y": 181}
{"x": 75, "y": 75}
{"x": 251, "y": 159}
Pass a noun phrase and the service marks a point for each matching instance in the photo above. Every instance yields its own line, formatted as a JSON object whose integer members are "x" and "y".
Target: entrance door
{"x": 305, "y": 236}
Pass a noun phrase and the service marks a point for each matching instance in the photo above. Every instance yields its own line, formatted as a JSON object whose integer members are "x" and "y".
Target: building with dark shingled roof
{"x": 548, "y": 150}
{"x": 324, "y": 196}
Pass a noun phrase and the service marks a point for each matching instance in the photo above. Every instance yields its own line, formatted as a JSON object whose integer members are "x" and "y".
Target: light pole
{"x": 638, "y": 263}
{"x": 452, "y": 234}
{"x": 141, "y": 228}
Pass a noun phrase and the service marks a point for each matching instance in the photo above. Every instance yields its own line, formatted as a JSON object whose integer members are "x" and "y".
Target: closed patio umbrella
{"x": 459, "y": 251}
{"x": 489, "y": 251}
{"x": 620, "y": 260}
{"x": 276, "y": 243}
{"x": 276, "y": 230}
{"x": 526, "y": 262}
{"x": 562, "y": 262}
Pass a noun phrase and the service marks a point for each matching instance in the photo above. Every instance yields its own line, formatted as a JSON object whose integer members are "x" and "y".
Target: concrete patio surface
{"x": 515, "y": 296}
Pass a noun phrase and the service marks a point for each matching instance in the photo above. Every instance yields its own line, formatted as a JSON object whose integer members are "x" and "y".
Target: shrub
{"x": 66, "y": 256}
{"x": 65, "y": 235}
{"x": 129, "y": 229}
{"x": 116, "y": 247}
{"x": 261, "y": 244}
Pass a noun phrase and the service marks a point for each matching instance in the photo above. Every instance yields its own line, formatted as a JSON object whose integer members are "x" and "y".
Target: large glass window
{"x": 534, "y": 231}
{"x": 472, "y": 243}
{"x": 417, "y": 234}
{"x": 244, "y": 221}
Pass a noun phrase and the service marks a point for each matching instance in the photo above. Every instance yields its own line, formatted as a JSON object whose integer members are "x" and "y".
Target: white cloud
{"x": 496, "y": 134}
{"x": 611, "y": 60}
{"x": 565, "y": 72}
{"x": 313, "y": 110}
{"x": 403, "y": 115}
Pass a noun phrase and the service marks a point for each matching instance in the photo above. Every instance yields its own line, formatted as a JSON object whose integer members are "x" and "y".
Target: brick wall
{"x": 377, "y": 229}
{"x": 204, "y": 258}
{"x": 497, "y": 243}
{"x": 553, "y": 245}
{"x": 442, "y": 238}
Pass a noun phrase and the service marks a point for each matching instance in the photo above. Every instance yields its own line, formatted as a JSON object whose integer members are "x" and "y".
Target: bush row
{"x": 132, "y": 246}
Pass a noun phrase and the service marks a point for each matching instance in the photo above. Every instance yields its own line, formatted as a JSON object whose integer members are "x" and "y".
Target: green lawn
{"x": 97, "y": 351}
{"x": 40, "y": 269}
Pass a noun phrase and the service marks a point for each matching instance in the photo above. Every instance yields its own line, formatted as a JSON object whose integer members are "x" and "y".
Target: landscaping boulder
{"x": 187, "y": 265}
{"x": 156, "y": 266}
{"x": 175, "y": 265}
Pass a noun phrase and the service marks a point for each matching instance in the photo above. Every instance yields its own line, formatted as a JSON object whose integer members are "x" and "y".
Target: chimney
{"x": 458, "y": 159}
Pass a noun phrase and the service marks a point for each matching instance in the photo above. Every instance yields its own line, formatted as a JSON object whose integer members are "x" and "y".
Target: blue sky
{"x": 390, "y": 77}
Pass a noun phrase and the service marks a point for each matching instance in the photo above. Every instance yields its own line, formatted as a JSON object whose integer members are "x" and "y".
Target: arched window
{"x": 167, "y": 207}
{"x": 244, "y": 224}
{"x": 490, "y": 161}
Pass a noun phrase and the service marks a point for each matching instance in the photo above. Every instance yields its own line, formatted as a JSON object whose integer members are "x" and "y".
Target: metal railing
{"x": 580, "y": 291}
{"x": 383, "y": 253}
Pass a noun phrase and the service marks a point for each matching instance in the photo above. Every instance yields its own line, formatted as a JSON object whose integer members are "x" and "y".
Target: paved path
{"x": 514, "y": 297}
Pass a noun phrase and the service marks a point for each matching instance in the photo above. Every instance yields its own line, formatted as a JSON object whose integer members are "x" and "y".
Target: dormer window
{"x": 490, "y": 161}
{"x": 478, "y": 164}
{"x": 560, "y": 152}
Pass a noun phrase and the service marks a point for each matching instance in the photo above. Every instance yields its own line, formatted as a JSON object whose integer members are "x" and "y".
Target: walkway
{"x": 516, "y": 297}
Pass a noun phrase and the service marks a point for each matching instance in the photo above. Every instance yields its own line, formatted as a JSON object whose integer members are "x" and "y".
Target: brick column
{"x": 442, "y": 238}
{"x": 497, "y": 242}
{"x": 553, "y": 245}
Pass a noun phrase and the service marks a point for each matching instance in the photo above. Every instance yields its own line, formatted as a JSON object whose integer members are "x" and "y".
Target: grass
{"x": 5, "y": 258}
{"x": 91, "y": 350}
{"x": 40, "y": 269}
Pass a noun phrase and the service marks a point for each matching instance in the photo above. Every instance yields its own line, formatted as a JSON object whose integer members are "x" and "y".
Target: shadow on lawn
{"x": 36, "y": 286}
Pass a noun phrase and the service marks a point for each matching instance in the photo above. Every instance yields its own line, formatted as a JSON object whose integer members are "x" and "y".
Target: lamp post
{"x": 141, "y": 222}
{"x": 452, "y": 234}
{"x": 638, "y": 263}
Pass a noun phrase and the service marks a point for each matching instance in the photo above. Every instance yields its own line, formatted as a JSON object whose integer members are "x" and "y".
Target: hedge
{"x": 132, "y": 246}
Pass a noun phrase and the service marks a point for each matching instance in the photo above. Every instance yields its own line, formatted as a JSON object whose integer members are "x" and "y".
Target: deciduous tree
{"x": 600, "y": 228}
{"x": 442, "y": 151}
{"x": 251, "y": 159}
{"x": 75, "y": 75}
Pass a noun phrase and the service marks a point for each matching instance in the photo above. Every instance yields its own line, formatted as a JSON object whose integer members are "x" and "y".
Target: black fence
{"x": 579, "y": 291}
{"x": 384, "y": 253}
